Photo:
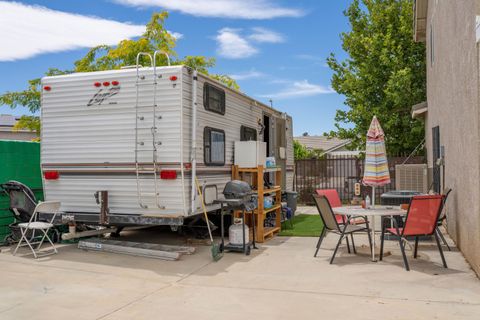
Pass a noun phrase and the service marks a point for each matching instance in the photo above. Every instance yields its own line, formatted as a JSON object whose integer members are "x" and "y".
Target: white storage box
{"x": 250, "y": 154}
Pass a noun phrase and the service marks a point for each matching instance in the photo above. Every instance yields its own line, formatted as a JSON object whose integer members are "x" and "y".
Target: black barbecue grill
{"x": 238, "y": 196}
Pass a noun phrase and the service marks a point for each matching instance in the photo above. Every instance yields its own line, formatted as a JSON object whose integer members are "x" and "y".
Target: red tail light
{"x": 115, "y": 83}
{"x": 168, "y": 174}
{"x": 106, "y": 83}
{"x": 47, "y": 88}
{"x": 97, "y": 84}
{"x": 173, "y": 78}
{"x": 51, "y": 175}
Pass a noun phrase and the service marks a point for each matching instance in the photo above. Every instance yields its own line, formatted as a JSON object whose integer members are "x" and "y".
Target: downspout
{"x": 194, "y": 139}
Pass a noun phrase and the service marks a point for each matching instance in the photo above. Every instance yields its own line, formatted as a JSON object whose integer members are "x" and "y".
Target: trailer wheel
{"x": 116, "y": 234}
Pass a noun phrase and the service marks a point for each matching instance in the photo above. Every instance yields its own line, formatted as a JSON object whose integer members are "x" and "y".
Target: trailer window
{"x": 213, "y": 99}
{"x": 213, "y": 147}
{"x": 248, "y": 134}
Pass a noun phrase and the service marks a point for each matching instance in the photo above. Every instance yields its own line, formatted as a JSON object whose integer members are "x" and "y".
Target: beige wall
{"x": 453, "y": 104}
{"x": 17, "y": 135}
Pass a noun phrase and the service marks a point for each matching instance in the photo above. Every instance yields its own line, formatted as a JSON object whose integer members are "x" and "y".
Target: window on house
{"x": 248, "y": 134}
{"x": 213, "y": 99}
{"x": 213, "y": 147}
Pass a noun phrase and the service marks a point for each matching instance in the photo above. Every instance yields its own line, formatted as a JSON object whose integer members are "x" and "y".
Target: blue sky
{"x": 276, "y": 49}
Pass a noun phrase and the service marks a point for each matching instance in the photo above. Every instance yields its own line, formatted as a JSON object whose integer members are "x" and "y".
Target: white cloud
{"x": 247, "y": 75}
{"x": 176, "y": 35}
{"x": 27, "y": 31}
{"x": 241, "y": 9}
{"x": 314, "y": 59}
{"x": 299, "y": 89}
{"x": 265, "y": 35}
{"x": 235, "y": 45}
{"x": 232, "y": 45}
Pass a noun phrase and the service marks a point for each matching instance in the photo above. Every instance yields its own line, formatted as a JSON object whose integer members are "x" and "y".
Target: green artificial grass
{"x": 304, "y": 225}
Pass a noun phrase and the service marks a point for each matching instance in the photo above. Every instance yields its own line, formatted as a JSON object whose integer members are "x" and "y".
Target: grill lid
{"x": 236, "y": 189}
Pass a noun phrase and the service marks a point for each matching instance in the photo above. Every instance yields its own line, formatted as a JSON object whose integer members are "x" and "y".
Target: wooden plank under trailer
{"x": 142, "y": 249}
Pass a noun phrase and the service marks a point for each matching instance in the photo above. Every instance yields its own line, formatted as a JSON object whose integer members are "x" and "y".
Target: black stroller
{"x": 22, "y": 206}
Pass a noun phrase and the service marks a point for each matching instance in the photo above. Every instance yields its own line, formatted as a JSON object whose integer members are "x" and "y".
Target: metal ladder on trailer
{"x": 142, "y": 171}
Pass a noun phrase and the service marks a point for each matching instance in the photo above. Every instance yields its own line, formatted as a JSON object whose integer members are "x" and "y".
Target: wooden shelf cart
{"x": 263, "y": 233}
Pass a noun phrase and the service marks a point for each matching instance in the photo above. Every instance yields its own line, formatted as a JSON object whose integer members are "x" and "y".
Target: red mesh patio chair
{"x": 330, "y": 224}
{"x": 335, "y": 202}
{"x": 443, "y": 217}
{"x": 421, "y": 220}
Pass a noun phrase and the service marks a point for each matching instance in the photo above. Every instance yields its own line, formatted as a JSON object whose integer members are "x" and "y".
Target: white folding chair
{"x": 44, "y": 227}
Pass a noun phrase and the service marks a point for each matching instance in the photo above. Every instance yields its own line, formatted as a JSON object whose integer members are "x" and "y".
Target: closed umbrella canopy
{"x": 376, "y": 165}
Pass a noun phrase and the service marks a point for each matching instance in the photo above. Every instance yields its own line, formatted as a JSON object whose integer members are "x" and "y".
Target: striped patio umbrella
{"x": 376, "y": 166}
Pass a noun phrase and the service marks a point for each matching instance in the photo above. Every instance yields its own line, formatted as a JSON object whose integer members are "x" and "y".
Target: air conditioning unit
{"x": 412, "y": 177}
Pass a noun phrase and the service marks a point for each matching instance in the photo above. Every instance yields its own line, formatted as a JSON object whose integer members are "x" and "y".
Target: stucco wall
{"x": 10, "y": 135}
{"x": 453, "y": 104}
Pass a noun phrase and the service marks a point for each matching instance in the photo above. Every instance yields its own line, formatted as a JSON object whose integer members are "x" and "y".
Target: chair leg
{"x": 443, "y": 238}
{"x": 402, "y": 248}
{"x": 41, "y": 241}
{"x": 338, "y": 244}
{"x": 382, "y": 240}
{"x": 23, "y": 232}
{"x": 353, "y": 244}
{"x": 416, "y": 247}
{"x": 348, "y": 245}
{"x": 320, "y": 239}
{"x": 440, "y": 250}
{"x": 45, "y": 232}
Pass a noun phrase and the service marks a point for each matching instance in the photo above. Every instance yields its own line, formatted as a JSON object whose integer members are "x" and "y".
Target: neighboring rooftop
{"x": 7, "y": 122}
{"x": 326, "y": 144}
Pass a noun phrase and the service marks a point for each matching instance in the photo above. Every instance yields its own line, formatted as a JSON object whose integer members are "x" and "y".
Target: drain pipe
{"x": 194, "y": 139}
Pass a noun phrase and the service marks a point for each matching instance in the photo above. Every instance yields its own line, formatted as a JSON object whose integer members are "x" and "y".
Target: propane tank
{"x": 235, "y": 232}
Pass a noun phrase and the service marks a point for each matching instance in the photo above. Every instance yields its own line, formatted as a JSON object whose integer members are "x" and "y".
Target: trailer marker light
{"x": 97, "y": 84}
{"x": 115, "y": 83}
{"x": 173, "y": 78}
{"x": 106, "y": 83}
{"x": 168, "y": 174}
{"x": 47, "y": 88}
{"x": 51, "y": 175}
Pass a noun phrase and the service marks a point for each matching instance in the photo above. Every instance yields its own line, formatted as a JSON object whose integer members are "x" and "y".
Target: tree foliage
{"x": 103, "y": 57}
{"x": 384, "y": 75}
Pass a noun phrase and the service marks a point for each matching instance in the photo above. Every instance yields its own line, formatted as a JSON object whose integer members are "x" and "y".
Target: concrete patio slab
{"x": 281, "y": 280}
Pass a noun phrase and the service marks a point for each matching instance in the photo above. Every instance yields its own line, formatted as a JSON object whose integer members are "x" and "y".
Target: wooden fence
{"x": 340, "y": 173}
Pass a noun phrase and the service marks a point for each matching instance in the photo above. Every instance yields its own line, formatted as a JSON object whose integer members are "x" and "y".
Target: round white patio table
{"x": 377, "y": 211}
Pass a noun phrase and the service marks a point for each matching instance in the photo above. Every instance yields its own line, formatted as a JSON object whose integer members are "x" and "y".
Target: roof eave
{"x": 419, "y": 110}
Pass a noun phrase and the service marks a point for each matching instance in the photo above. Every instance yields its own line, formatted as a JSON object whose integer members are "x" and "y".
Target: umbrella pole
{"x": 373, "y": 224}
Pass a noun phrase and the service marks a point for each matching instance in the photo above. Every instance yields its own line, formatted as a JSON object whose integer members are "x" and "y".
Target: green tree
{"x": 103, "y": 57}
{"x": 301, "y": 152}
{"x": 384, "y": 75}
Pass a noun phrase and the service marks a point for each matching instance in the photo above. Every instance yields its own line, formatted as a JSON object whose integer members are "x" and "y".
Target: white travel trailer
{"x": 143, "y": 135}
